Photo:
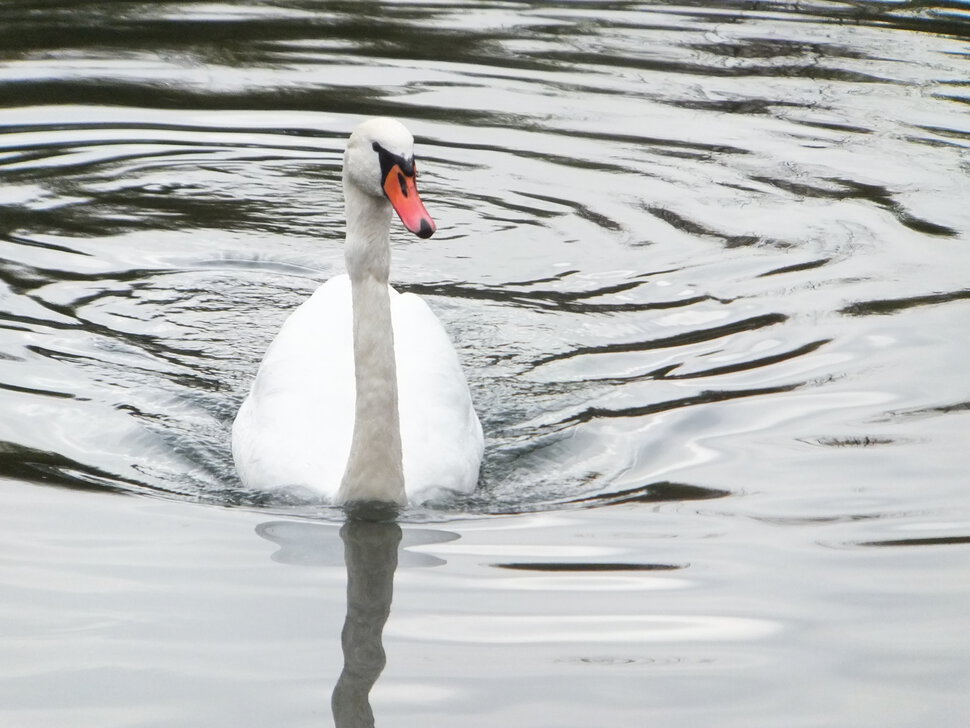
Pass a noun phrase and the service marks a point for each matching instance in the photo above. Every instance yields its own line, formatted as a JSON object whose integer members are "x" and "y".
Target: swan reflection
{"x": 372, "y": 552}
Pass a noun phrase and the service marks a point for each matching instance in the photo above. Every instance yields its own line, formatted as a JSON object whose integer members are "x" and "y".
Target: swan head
{"x": 379, "y": 161}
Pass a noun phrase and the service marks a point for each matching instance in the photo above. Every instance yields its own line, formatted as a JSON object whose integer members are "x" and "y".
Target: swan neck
{"x": 375, "y": 467}
{"x": 367, "y": 252}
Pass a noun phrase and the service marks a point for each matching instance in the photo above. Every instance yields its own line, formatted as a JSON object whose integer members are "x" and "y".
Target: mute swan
{"x": 361, "y": 396}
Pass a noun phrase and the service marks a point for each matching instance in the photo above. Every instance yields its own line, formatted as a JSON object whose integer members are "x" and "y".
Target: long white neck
{"x": 374, "y": 469}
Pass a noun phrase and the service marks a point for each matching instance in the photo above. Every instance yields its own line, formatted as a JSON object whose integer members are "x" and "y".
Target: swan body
{"x": 361, "y": 396}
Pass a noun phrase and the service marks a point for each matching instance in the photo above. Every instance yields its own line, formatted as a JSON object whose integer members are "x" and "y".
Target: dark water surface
{"x": 708, "y": 268}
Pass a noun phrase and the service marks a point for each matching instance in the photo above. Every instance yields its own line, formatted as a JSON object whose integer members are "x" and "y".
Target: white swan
{"x": 361, "y": 396}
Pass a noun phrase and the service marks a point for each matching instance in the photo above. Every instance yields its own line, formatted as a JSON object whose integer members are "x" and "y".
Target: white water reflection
{"x": 591, "y": 629}
{"x": 592, "y": 581}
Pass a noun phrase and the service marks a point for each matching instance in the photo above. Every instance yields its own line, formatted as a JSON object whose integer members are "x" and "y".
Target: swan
{"x": 361, "y": 396}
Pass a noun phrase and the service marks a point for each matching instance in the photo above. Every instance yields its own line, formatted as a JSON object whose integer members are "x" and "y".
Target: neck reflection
{"x": 371, "y": 556}
{"x": 370, "y": 553}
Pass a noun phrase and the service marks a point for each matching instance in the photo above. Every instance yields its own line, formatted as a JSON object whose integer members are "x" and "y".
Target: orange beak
{"x": 402, "y": 191}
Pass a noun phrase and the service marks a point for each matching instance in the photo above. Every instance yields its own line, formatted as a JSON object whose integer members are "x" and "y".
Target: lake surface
{"x": 707, "y": 266}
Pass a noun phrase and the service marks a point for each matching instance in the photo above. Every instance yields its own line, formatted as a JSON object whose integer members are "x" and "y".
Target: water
{"x": 706, "y": 265}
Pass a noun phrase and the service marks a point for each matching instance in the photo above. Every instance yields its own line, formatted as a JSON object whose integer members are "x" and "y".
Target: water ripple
{"x": 686, "y": 220}
{"x": 693, "y": 337}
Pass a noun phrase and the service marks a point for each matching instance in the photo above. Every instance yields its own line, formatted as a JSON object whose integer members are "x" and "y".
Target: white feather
{"x": 295, "y": 427}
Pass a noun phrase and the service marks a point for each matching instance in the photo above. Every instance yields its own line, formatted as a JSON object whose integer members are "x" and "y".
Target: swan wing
{"x": 295, "y": 427}
{"x": 440, "y": 433}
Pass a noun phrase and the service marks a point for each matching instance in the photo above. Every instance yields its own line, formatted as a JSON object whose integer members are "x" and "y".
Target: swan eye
{"x": 389, "y": 160}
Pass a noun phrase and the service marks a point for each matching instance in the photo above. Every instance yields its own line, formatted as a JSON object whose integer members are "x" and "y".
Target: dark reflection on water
{"x": 653, "y": 493}
{"x": 592, "y": 413}
{"x": 370, "y": 550}
{"x": 599, "y": 566}
{"x": 866, "y": 308}
{"x": 939, "y": 541}
{"x": 51, "y": 468}
{"x": 692, "y": 337}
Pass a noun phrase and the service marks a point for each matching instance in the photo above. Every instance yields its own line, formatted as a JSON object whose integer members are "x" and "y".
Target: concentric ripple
{"x": 674, "y": 241}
